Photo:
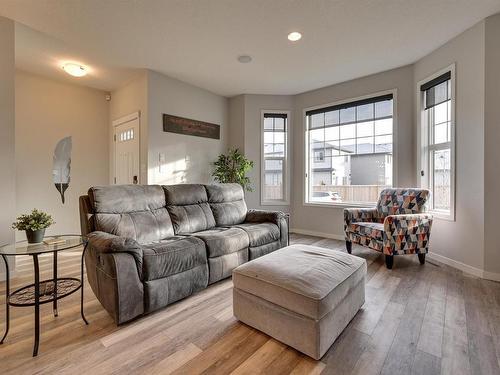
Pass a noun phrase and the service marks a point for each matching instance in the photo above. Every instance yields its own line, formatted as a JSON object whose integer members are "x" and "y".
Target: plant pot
{"x": 35, "y": 236}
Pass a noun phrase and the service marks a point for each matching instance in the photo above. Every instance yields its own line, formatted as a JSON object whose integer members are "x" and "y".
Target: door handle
{"x": 135, "y": 181}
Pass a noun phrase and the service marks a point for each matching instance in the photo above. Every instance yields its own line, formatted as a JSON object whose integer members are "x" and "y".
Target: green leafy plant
{"x": 233, "y": 167}
{"x": 36, "y": 220}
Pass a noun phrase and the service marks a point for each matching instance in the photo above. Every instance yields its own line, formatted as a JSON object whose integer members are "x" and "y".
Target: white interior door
{"x": 126, "y": 140}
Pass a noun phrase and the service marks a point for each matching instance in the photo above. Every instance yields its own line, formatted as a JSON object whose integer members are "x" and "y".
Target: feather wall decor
{"x": 62, "y": 165}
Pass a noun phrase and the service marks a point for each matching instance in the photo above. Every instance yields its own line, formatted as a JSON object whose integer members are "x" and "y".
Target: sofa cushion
{"x": 307, "y": 280}
{"x": 117, "y": 199}
{"x": 188, "y": 208}
{"x": 227, "y": 202}
{"x": 222, "y": 241}
{"x": 133, "y": 211}
{"x": 368, "y": 229}
{"x": 172, "y": 256}
{"x": 260, "y": 233}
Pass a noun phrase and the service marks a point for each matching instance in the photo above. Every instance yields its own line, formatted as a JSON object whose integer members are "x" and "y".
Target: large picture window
{"x": 350, "y": 151}
{"x": 437, "y": 149}
{"x": 274, "y": 158}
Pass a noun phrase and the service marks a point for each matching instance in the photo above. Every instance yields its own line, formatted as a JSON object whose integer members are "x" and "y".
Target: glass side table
{"x": 45, "y": 291}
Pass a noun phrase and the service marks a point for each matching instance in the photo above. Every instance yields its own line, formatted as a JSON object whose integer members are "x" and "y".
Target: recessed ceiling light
{"x": 294, "y": 36}
{"x": 244, "y": 59}
{"x": 75, "y": 70}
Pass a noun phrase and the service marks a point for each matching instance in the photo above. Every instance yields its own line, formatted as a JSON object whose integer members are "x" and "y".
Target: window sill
{"x": 442, "y": 215}
{"x": 275, "y": 203}
{"x": 340, "y": 205}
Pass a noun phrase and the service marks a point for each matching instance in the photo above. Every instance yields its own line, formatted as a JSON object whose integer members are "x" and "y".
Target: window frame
{"x": 424, "y": 146}
{"x": 286, "y": 160}
{"x": 308, "y": 158}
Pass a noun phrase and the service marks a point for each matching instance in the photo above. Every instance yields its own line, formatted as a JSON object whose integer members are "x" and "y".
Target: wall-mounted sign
{"x": 181, "y": 125}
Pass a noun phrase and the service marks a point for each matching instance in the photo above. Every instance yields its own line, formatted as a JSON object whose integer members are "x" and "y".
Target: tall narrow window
{"x": 437, "y": 142}
{"x": 274, "y": 158}
{"x": 349, "y": 151}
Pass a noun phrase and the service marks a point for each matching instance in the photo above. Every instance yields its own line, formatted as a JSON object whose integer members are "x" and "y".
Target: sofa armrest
{"x": 355, "y": 215}
{"x": 261, "y": 216}
{"x": 276, "y": 217}
{"x": 103, "y": 243}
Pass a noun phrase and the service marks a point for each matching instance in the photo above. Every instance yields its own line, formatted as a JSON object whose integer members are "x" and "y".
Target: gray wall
{"x": 463, "y": 240}
{"x": 188, "y": 159}
{"x": 236, "y": 130}
{"x": 329, "y": 220}
{"x": 7, "y": 134}
{"x": 491, "y": 144}
{"x": 469, "y": 242}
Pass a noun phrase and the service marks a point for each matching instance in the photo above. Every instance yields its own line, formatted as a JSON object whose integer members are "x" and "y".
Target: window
{"x": 437, "y": 147}
{"x": 319, "y": 156}
{"x": 274, "y": 157}
{"x": 349, "y": 155}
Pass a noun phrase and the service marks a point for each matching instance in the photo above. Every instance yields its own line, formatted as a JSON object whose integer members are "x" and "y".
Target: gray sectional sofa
{"x": 151, "y": 245}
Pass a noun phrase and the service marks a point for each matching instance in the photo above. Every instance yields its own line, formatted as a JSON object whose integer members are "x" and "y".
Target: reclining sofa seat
{"x": 227, "y": 247}
{"x": 150, "y": 246}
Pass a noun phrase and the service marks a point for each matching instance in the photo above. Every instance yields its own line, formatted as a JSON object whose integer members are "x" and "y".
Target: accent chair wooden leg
{"x": 421, "y": 258}
{"x": 389, "y": 261}
{"x": 348, "y": 245}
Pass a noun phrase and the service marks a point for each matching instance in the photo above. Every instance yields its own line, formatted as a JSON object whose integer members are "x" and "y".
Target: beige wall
{"x": 329, "y": 220}
{"x": 187, "y": 159}
{"x": 47, "y": 111}
{"x": 133, "y": 97}
{"x": 491, "y": 144}
{"x": 7, "y": 134}
{"x": 463, "y": 240}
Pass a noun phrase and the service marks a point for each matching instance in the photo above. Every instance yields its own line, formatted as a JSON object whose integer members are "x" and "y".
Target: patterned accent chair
{"x": 397, "y": 226}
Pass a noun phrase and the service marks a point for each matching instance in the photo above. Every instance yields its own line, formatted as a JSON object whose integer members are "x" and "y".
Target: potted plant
{"x": 233, "y": 167}
{"x": 34, "y": 224}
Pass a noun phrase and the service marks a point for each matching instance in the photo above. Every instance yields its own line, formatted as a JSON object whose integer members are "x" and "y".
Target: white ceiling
{"x": 198, "y": 41}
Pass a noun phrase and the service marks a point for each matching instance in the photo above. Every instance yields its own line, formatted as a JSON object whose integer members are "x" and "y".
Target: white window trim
{"x": 286, "y": 167}
{"x": 423, "y": 137}
{"x": 305, "y": 197}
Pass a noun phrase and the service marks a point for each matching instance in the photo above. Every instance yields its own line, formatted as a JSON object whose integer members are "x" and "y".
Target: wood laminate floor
{"x": 428, "y": 319}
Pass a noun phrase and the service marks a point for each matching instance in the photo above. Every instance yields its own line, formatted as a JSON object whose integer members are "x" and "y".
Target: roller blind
{"x": 437, "y": 90}
{"x": 356, "y": 103}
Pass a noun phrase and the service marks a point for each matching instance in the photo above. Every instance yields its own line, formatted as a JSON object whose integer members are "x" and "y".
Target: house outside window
{"x": 350, "y": 151}
{"x": 274, "y": 165}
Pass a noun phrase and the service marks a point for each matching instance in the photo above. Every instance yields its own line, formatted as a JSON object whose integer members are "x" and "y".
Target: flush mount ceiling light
{"x": 75, "y": 70}
{"x": 244, "y": 59}
{"x": 294, "y": 36}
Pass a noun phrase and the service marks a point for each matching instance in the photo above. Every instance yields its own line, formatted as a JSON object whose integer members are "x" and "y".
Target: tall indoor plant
{"x": 233, "y": 167}
{"x": 34, "y": 224}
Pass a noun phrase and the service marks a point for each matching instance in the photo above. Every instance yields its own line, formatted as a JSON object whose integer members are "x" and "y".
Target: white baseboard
{"x": 491, "y": 276}
{"x": 456, "y": 264}
{"x": 465, "y": 267}
{"x": 318, "y": 234}
{"x": 440, "y": 258}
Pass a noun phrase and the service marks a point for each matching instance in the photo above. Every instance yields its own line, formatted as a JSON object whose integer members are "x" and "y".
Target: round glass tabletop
{"x": 50, "y": 244}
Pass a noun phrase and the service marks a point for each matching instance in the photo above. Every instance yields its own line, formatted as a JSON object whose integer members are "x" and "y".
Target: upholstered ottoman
{"x": 303, "y": 296}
